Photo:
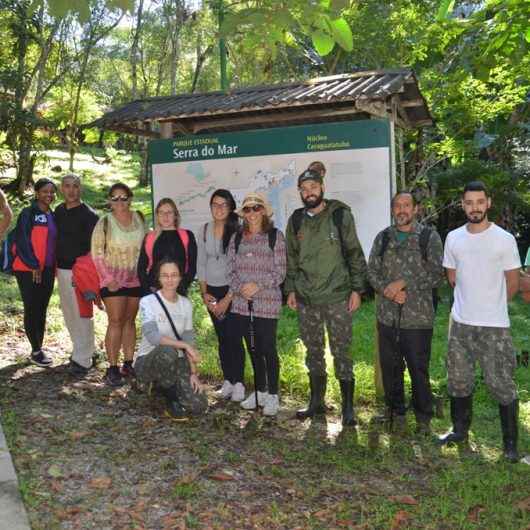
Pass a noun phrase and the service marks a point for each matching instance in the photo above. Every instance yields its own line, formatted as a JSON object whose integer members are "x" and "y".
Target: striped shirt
{"x": 255, "y": 262}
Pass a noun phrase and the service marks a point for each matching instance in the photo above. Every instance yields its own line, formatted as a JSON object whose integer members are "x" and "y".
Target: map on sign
{"x": 192, "y": 184}
{"x": 356, "y": 154}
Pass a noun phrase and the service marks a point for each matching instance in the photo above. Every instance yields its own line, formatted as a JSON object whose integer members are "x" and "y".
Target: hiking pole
{"x": 252, "y": 347}
{"x": 396, "y": 359}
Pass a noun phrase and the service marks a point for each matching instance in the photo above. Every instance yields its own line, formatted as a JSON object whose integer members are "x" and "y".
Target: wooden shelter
{"x": 392, "y": 94}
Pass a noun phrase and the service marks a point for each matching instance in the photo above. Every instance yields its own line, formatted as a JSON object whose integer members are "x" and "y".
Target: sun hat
{"x": 253, "y": 198}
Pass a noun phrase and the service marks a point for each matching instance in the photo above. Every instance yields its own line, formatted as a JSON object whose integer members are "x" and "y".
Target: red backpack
{"x": 150, "y": 239}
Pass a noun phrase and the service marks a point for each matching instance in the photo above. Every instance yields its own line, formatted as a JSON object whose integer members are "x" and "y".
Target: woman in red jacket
{"x": 34, "y": 264}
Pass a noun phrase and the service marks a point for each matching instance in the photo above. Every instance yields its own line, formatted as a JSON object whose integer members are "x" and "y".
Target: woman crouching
{"x": 166, "y": 355}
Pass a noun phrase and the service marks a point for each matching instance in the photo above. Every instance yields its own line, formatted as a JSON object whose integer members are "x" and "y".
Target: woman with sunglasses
{"x": 213, "y": 279}
{"x": 167, "y": 241}
{"x": 257, "y": 267}
{"x": 34, "y": 264}
{"x": 116, "y": 243}
{"x": 166, "y": 355}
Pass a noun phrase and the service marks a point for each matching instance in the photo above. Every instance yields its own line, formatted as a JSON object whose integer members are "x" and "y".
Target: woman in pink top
{"x": 116, "y": 243}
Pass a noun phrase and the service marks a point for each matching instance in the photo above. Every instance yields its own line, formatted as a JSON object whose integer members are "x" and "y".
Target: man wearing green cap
{"x": 326, "y": 272}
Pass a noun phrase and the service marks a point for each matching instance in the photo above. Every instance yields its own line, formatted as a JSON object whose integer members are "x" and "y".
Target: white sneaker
{"x": 250, "y": 402}
{"x": 271, "y": 405}
{"x": 226, "y": 390}
{"x": 238, "y": 392}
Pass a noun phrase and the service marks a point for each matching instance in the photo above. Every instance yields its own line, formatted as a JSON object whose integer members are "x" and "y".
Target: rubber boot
{"x": 347, "y": 389}
{"x": 509, "y": 414}
{"x": 317, "y": 385}
{"x": 461, "y": 414}
{"x": 173, "y": 406}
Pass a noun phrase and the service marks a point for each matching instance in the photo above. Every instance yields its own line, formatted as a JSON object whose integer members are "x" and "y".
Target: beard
{"x": 476, "y": 217}
{"x": 313, "y": 201}
{"x": 403, "y": 219}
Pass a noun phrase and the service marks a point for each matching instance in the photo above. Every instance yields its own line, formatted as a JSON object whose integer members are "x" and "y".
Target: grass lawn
{"x": 91, "y": 457}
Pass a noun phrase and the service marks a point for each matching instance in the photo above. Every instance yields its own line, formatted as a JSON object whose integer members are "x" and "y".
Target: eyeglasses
{"x": 121, "y": 198}
{"x": 219, "y": 205}
{"x": 255, "y": 208}
{"x": 173, "y": 276}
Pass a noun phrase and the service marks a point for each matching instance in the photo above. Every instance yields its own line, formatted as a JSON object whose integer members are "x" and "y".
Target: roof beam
{"x": 200, "y": 125}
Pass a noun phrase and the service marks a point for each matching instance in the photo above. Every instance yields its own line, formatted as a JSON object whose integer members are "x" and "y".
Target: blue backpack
{"x": 6, "y": 253}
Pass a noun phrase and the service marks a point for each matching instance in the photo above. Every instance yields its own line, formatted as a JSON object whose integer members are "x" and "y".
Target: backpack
{"x": 272, "y": 233}
{"x": 7, "y": 253}
{"x": 425, "y": 236}
{"x": 336, "y": 216}
{"x": 150, "y": 244}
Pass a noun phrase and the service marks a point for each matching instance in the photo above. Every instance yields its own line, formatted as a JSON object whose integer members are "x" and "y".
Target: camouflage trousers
{"x": 166, "y": 366}
{"x": 338, "y": 322}
{"x": 493, "y": 349}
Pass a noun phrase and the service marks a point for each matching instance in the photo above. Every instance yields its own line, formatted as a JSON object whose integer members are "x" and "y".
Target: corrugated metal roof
{"x": 397, "y": 88}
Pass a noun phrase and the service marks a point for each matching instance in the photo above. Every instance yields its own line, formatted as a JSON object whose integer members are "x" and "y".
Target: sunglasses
{"x": 255, "y": 208}
{"x": 121, "y": 198}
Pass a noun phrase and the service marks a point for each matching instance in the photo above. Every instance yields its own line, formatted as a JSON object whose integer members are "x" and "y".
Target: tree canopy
{"x": 65, "y": 62}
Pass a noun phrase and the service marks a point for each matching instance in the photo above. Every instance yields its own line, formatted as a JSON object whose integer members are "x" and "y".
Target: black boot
{"x": 347, "y": 389}
{"x": 509, "y": 414}
{"x": 317, "y": 384}
{"x": 461, "y": 413}
{"x": 174, "y": 407}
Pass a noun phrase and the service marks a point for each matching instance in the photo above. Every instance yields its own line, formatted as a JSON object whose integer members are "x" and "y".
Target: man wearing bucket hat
{"x": 326, "y": 272}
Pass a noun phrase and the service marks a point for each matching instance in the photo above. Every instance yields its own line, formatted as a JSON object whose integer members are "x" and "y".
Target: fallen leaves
{"x": 474, "y": 513}
{"x": 55, "y": 471}
{"x": 400, "y": 520}
{"x": 77, "y": 435}
{"x": 100, "y": 483}
{"x": 523, "y": 505}
{"x": 223, "y": 476}
{"x": 404, "y": 499}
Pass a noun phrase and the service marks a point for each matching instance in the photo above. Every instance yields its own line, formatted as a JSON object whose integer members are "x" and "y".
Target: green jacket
{"x": 319, "y": 271}
{"x": 405, "y": 261}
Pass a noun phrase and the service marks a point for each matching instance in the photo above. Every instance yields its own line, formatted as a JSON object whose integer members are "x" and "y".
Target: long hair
{"x": 232, "y": 222}
{"x": 169, "y": 202}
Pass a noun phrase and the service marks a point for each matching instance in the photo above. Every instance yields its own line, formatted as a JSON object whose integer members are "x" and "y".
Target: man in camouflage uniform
{"x": 483, "y": 265}
{"x": 404, "y": 274}
{"x": 326, "y": 273}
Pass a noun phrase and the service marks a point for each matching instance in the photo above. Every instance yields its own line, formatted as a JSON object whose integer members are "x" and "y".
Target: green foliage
{"x": 79, "y": 8}
{"x": 322, "y": 22}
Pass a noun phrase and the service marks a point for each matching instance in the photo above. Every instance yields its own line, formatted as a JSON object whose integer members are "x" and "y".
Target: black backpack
{"x": 425, "y": 236}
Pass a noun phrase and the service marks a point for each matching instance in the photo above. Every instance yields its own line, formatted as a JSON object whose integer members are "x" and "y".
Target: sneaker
{"x": 40, "y": 359}
{"x": 238, "y": 392}
{"x": 76, "y": 369}
{"x": 271, "y": 405}
{"x": 113, "y": 376}
{"x": 250, "y": 402}
{"x": 226, "y": 390}
{"x": 127, "y": 369}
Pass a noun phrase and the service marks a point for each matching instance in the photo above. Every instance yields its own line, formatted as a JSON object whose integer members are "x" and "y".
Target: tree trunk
{"x": 26, "y": 160}
{"x": 134, "y": 50}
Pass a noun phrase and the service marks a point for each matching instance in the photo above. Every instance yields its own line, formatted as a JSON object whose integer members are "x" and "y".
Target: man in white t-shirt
{"x": 482, "y": 264}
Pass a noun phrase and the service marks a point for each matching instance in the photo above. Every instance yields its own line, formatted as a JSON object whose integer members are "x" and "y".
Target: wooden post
{"x": 166, "y": 130}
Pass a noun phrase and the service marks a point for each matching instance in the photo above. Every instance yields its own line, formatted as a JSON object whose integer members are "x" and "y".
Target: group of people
{"x": 244, "y": 265}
